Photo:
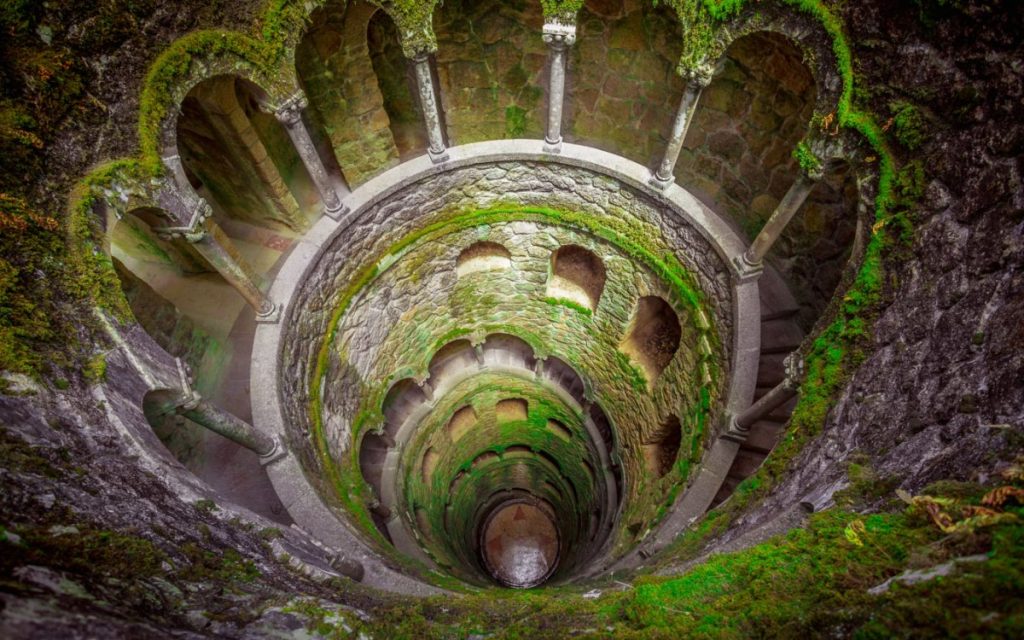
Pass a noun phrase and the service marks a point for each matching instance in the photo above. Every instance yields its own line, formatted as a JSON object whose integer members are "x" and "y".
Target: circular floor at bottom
{"x": 520, "y": 545}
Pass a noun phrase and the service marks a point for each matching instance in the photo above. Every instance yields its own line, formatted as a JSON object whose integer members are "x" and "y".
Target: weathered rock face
{"x": 104, "y": 540}
{"x": 940, "y": 393}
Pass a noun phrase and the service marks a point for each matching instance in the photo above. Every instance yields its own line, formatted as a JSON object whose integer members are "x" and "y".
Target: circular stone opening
{"x": 519, "y": 544}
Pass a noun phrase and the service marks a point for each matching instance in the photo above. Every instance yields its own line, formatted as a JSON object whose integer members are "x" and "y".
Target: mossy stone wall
{"x": 491, "y": 64}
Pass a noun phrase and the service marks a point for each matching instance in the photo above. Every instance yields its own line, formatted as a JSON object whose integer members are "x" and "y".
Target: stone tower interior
{"x": 512, "y": 318}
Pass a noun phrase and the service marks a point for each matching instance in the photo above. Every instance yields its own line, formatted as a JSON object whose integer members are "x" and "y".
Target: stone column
{"x": 665, "y": 175}
{"x": 207, "y": 414}
{"x": 210, "y": 241}
{"x": 290, "y": 115}
{"x": 428, "y": 103}
{"x": 751, "y": 259}
{"x": 559, "y": 37}
{"x": 739, "y": 425}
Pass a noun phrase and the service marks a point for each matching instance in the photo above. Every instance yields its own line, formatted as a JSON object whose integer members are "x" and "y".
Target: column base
{"x": 437, "y": 157}
{"x": 279, "y": 451}
{"x": 733, "y": 431}
{"x": 745, "y": 270}
{"x": 553, "y": 147}
{"x": 659, "y": 183}
{"x": 336, "y": 212}
{"x": 271, "y": 316}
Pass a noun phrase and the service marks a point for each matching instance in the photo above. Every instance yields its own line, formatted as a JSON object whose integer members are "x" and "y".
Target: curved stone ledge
{"x": 267, "y": 374}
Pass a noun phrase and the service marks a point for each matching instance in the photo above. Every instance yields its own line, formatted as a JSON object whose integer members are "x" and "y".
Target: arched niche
{"x": 653, "y": 336}
{"x": 512, "y": 410}
{"x": 373, "y": 450}
{"x": 578, "y": 275}
{"x": 241, "y": 159}
{"x": 461, "y": 422}
{"x": 737, "y": 155}
{"x": 502, "y": 349}
{"x": 661, "y": 447}
{"x": 397, "y": 86}
{"x": 335, "y": 69}
{"x": 482, "y": 256}
{"x": 428, "y": 464}
{"x": 450, "y": 360}
{"x": 401, "y": 400}
{"x": 562, "y": 374}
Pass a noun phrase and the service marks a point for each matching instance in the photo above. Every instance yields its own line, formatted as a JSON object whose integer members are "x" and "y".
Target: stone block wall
{"x": 334, "y": 67}
{"x": 622, "y": 90}
{"x": 491, "y": 64}
{"x": 392, "y": 327}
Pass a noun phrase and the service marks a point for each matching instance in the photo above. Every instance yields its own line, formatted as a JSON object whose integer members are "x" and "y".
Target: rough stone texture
{"x": 542, "y": 185}
{"x": 622, "y": 90}
{"x": 939, "y": 393}
{"x": 98, "y": 55}
{"x": 490, "y": 63}
{"x": 738, "y": 158}
{"x": 335, "y": 69}
{"x": 132, "y": 543}
{"x": 395, "y": 327}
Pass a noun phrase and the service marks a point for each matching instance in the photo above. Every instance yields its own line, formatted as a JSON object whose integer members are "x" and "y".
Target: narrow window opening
{"x": 482, "y": 256}
{"x": 577, "y": 276}
{"x": 653, "y": 337}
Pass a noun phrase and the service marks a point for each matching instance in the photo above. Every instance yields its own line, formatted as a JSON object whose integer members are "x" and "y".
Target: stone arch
{"x": 738, "y": 152}
{"x": 190, "y": 60}
{"x": 503, "y": 349}
{"x": 450, "y": 359}
{"x": 578, "y": 275}
{"x": 401, "y": 400}
{"x": 462, "y": 420}
{"x": 653, "y": 336}
{"x": 334, "y": 68}
{"x": 661, "y": 447}
{"x": 233, "y": 155}
{"x": 561, "y": 373}
{"x": 482, "y": 256}
{"x": 512, "y": 410}
{"x": 397, "y": 85}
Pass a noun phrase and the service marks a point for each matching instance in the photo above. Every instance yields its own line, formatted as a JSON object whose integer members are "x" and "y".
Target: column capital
{"x": 195, "y": 230}
{"x": 559, "y": 35}
{"x": 793, "y": 366}
{"x": 746, "y": 269}
{"x": 290, "y": 112}
{"x": 698, "y": 76}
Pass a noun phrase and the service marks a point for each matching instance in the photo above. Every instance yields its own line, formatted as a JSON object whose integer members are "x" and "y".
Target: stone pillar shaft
{"x": 428, "y": 103}
{"x": 559, "y": 38}
{"x": 776, "y": 224}
{"x": 210, "y": 241}
{"x": 739, "y": 425}
{"x": 770, "y": 401}
{"x": 214, "y": 245}
{"x": 219, "y": 421}
{"x": 290, "y": 115}
{"x": 684, "y": 115}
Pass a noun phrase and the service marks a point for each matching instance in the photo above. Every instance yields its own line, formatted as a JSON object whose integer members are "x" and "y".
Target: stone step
{"x": 764, "y": 434}
{"x": 780, "y": 334}
{"x": 770, "y": 369}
